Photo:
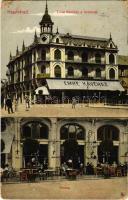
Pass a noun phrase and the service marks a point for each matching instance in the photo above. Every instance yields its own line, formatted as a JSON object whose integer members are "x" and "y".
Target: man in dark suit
{"x": 9, "y": 105}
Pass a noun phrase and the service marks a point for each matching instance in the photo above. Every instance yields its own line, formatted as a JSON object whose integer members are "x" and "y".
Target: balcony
{"x": 39, "y": 59}
{"x": 93, "y": 62}
{"x": 43, "y": 75}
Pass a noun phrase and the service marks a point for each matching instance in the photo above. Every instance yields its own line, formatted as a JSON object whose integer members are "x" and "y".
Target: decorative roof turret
{"x": 46, "y": 22}
{"x": 110, "y": 38}
{"x": 35, "y": 37}
{"x": 17, "y": 51}
{"x": 10, "y": 56}
{"x": 57, "y": 30}
{"x": 23, "y": 46}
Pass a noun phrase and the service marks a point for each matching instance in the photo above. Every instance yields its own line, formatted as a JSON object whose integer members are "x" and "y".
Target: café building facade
{"x": 63, "y": 66}
{"x": 51, "y": 133}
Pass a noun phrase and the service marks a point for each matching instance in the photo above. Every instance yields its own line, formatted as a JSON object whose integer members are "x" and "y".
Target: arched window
{"x": 43, "y": 69}
{"x": 111, "y": 46}
{"x": 84, "y": 72}
{"x": 112, "y": 73}
{"x": 111, "y": 59}
{"x": 43, "y": 131}
{"x": 35, "y": 130}
{"x": 57, "y": 40}
{"x": 108, "y": 132}
{"x": 84, "y": 57}
{"x": 57, "y": 54}
{"x": 107, "y": 150}
{"x": 70, "y": 55}
{"x": 27, "y": 131}
{"x": 57, "y": 71}
{"x": 34, "y": 56}
{"x": 72, "y": 131}
{"x": 98, "y": 73}
{"x": 43, "y": 55}
{"x": 70, "y": 71}
{"x": 98, "y": 58}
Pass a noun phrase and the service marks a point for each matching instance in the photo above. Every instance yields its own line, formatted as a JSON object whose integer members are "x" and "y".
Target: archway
{"x": 98, "y": 73}
{"x": 36, "y": 131}
{"x": 57, "y": 71}
{"x": 108, "y": 137}
{"x": 84, "y": 72}
{"x": 111, "y": 59}
{"x": 112, "y": 73}
{"x": 97, "y": 58}
{"x": 72, "y": 137}
{"x": 70, "y": 55}
{"x": 84, "y": 57}
{"x": 70, "y": 71}
{"x": 57, "y": 54}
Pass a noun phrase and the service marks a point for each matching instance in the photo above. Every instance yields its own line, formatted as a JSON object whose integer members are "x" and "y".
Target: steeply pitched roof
{"x": 78, "y": 40}
{"x": 84, "y": 37}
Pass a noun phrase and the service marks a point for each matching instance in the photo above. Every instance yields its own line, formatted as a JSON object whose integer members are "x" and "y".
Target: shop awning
{"x": 43, "y": 89}
{"x": 7, "y": 138}
{"x": 54, "y": 84}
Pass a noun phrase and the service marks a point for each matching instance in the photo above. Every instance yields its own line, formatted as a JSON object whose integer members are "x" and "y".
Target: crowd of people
{"x": 103, "y": 169}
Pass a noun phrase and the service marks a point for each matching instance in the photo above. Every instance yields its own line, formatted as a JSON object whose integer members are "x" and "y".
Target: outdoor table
{"x": 27, "y": 174}
{"x": 49, "y": 172}
{"x": 98, "y": 171}
{"x": 71, "y": 173}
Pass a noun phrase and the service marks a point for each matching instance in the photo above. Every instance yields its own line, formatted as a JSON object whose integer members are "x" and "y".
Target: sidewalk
{"x": 66, "y": 110}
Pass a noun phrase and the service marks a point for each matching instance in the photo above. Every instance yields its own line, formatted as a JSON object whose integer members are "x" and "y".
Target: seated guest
{"x": 64, "y": 167}
{"x": 114, "y": 164}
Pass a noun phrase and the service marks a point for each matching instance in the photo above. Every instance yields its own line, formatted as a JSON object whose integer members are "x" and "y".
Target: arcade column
{"x": 16, "y": 147}
{"x": 52, "y": 143}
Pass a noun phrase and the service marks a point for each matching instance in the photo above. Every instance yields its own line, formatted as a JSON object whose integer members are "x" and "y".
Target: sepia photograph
{"x": 64, "y": 99}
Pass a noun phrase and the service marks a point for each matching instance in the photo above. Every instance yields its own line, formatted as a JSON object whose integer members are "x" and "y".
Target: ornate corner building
{"x": 53, "y": 58}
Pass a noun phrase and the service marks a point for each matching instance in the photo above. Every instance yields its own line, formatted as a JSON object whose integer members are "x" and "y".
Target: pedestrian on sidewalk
{"x": 9, "y": 105}
{"x": 27, "y": 102}
{"x": 16, "y": 104}
{"x": 73, "y": 102}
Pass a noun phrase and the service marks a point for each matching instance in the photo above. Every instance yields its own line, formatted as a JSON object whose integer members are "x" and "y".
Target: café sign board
{"x": 64, "y": 84}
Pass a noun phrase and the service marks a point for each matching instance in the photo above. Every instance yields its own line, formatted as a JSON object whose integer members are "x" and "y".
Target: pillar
{"x": 52, "y": 144}
{"x": 58, "y": 144}
{"x": 16, "y": 147}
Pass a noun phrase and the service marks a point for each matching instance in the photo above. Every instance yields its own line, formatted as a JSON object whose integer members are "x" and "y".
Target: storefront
{"x": 83, "y": 90}
{"x": 61, "y": 139}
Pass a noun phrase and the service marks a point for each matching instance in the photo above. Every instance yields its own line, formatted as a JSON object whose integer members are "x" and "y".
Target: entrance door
{"x": 81, "y": 153}
{"x": 43, "y": 153}
{"x": 77, "y": 157}
{"x": 112, "y": 157}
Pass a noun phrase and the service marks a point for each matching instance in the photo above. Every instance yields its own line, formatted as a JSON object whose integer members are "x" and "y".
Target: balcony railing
{"x": 39, "y": 59}
{"x": 43, "y": 75}
{"x": 85, "y": 62}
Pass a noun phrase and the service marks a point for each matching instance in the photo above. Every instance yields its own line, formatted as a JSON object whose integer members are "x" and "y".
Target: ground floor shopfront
{"x": 57, "y": 138}
{"x": 64, "y": 90}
